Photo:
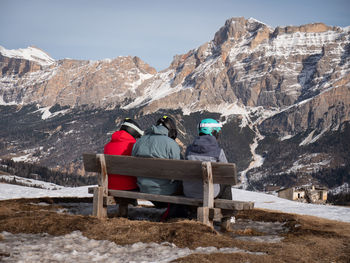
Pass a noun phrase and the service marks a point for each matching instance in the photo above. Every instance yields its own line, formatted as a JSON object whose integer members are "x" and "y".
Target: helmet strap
{"x": 215, "y": 133}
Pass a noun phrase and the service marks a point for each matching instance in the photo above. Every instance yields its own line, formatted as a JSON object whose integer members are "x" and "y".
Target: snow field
{"x": 266, "y": 201}
{"x": 29, "y": 53}
{"x": 75, "y": 247}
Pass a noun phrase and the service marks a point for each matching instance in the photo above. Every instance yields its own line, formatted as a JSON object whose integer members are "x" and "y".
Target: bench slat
{"x": 223, "y": 173}
{"x": 152, "y": 197}
{"x": 233, "y": 205}
{"x": 218, "y": 203}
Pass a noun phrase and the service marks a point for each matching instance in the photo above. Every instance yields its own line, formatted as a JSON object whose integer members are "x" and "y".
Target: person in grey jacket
{"x": 204, "y": 148}
{"x": 158, "y": 142}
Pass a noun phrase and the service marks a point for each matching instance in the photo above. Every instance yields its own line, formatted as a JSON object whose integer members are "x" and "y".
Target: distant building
{"x": 304, "y": 194}
{"x": 271, "y": 188}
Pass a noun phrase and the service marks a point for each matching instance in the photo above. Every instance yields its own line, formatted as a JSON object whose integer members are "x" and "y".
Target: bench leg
{"x": 203, "y": 213}
{"x": 124, "y": 205}
{"x": 226, "y": 224}
{"x": 123, "y": 210}
{"x": 203, "y": 216}
{"x": 99, "y": 210}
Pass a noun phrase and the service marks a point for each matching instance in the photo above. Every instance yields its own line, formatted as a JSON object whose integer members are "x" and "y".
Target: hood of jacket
{"x": 157, "y": 130}
{"x": 122, "y": 136}
{"x": 204, "y": 145}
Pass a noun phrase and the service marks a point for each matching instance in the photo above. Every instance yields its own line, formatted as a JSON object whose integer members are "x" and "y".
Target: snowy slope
{"x": 30, "y": 53}
{"x": 266, "y": 201}
{"x": 9, "y": 191}
{"x": 41, "y": 189}
{"x": 30, "y": 182}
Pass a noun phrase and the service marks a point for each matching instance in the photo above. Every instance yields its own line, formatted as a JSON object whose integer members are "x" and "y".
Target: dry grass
{"x": 309, "y": 239}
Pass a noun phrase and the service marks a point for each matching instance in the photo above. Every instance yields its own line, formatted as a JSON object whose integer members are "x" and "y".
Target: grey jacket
{"x": 203, "y": 148}
{"x": 156, "y": 144}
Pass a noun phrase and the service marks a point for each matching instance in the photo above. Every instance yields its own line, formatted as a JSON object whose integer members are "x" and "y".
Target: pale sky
{"x": 154, "y": 30}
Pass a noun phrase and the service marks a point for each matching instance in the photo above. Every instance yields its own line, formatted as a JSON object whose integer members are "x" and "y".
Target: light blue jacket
{"x": 156, "y": 144}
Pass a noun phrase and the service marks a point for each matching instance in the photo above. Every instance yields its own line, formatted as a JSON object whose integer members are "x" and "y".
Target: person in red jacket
{"x": 121, "y": 143}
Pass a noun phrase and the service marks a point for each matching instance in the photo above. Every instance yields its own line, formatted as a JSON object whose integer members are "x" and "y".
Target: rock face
{"x": 14, "y": 66}
{"x": 250, "y": 64}
{"x": 324, "y": 112}
{"x": 105, "y": 83}
{"x": 278, "y": 90}
{"x": 247, "y": 63}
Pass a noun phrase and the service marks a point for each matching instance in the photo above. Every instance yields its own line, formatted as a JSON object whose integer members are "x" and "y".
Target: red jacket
{"x": 120, "y": 144}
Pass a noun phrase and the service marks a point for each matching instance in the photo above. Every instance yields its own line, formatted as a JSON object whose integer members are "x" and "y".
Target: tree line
{"x": 37, "y": 172}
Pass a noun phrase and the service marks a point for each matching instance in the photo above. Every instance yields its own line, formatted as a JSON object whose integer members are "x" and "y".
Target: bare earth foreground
{"x": 303, "y": 239}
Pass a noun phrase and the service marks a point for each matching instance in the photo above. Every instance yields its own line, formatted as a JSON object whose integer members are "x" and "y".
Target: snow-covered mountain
{"x": 247, "y": 64}
{"x": 32, "y": 54}
{"x": 283, "y": 94}
{"x": 31, "y": 76}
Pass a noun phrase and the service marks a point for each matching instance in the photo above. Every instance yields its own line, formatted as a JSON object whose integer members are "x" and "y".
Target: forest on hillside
{"x": 37, "y": 172}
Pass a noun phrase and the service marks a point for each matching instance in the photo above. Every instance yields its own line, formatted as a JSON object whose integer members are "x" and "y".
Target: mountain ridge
{"x": 291, "y": 83}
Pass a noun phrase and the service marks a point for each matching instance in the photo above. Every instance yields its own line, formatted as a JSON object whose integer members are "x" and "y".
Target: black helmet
{"x": 168, "y": 123}
{"x": 132, "y": 128}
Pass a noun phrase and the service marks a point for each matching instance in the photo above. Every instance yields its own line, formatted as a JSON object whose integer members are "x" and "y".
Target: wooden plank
{"x": 203, "y": 216}
{"x": 91, "y": 163}
{"x": 109, "y": 200}
{"x": 215, "y": 214}
{"x": 203, "y": 213}
{"x": 123, "y": 209}
{"x": 99, "y": 210}
{"x": 233, "y": 205}
{"x": 223, "y": 173}
{"x": 160, "y": 198}
{"x": 208, "y": 186}
{"x": 226, "y": 225}
{"x": 218, "y": 203}
{"x": 103, "y": 176}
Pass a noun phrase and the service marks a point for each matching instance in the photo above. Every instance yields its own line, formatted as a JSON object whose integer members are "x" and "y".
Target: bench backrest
{"x": 223, "y": 173}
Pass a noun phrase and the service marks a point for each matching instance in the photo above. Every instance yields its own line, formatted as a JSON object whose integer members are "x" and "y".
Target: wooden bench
{"x": 208, "y": 208}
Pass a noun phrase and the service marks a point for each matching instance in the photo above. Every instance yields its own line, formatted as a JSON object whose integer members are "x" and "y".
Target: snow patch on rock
{"x": 30, "y": 53}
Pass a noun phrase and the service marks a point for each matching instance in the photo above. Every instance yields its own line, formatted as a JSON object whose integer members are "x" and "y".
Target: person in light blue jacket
{"x": 158, "y": 142}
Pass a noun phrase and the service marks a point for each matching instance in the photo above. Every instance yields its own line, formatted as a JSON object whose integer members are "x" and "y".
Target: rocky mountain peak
{"x": 69, "y": 82}
{"x": 236, "y": 28}
{"x": 31, "y": 53}
{"x": 309, "y": 28}
{"x": 249, "y": 64}
{"x": 22, "y": 61}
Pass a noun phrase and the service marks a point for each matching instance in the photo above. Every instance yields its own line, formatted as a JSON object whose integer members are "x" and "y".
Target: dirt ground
{"x": 307, "y": 239}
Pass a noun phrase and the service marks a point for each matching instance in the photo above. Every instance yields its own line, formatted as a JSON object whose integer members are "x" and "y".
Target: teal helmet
{"x": 209, "y": 127}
